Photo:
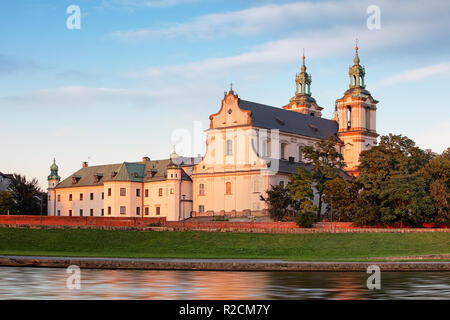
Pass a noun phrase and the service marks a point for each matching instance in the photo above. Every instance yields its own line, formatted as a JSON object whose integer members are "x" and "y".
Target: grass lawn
{"x": 135, "y": 244}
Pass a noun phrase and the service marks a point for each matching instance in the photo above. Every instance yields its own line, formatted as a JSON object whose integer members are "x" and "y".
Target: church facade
{"x": 250, "y": 146}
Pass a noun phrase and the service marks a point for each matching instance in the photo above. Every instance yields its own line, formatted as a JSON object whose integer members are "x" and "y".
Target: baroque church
{"x": 250, "y": 146}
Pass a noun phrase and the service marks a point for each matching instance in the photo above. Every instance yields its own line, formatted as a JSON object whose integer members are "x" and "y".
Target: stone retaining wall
{"x": 160, "y": 224}
{"x": 216, "y": 264}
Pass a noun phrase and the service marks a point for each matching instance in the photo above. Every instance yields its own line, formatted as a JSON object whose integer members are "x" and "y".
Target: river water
{"x": 50, "y": 283}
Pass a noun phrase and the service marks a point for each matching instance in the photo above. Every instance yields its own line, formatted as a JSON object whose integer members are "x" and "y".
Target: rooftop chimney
{"x": 85, "y": 164}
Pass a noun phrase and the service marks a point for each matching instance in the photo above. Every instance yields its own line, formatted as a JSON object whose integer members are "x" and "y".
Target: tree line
{"x": 398, "y": 184}
{"x": 23, "y": 197}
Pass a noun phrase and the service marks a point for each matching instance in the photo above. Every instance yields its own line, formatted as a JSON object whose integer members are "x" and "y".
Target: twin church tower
{"x": 355, "y": 112}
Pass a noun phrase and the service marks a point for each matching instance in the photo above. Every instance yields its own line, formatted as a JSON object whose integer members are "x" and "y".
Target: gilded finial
{"x": 356, "y": 60}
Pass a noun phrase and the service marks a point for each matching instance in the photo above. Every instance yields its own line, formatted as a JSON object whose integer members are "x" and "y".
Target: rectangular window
{"x": 138, "y": 211}
{"x": 146, "y": 193}
{"x": 122, "y": 210}
{"x": 158, "y": 211}
{"x": 109, "y": 192}
{"x": 201, "y": 208}
{"x": 103, "y": 195}
{"x": 300, "y": 154}
{"x": 282, "y": 183}
{"x": 92, "y": 196}
{"x": 70, "y": 197}
{"x": 160, "y": 191}
{"x": 284, "y": 151}
{"x": 70, "y": 213}
{"x": 138, "y": 192}
{"x": 81, "y": 212}
{"x": 146, "y": 211}
{"x": 59, "y": 198}
{"x": 123, "y": 192}
{"x": 81, "y": 197}
{"x": 201, "y": 189}
{"x": 49, "y": 198}
{"x": 256, "y": 186}
{"x": 92, "y": 212}
{"x": 103, "y": 212}
{"x": 109, "y": 211}
{"x": 59, "y": 213}
{"x": 229, "y": 148}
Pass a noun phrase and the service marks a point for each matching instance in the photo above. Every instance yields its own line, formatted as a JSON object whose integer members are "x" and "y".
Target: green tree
{"x": 300, "y": 188}
{"x": 325, "y": 163}
{"x": 6, "y": 202}
{"x": 437, "y": 176}
{"x": 27, "y": 195}
{"x": 392, "y": 162}
{"x": 278, "y": 200}
{"x": 341, "y": 196}
{"x": 395, "y": 154}
{"x": 404, "y": 199}
{"x": 440, "y": 195}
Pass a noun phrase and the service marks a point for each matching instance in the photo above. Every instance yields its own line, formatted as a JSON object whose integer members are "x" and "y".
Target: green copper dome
{"x": 54, "y": 172}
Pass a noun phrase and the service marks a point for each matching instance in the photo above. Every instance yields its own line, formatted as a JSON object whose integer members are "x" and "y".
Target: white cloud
{"x": 250, "y": 21}
{"x": 333, "y": 42}
{"x": 417, "y": 74}
{"x": 299, "y": 15}
{"x": 81, "y": 96}
{"x": 145, "y": 3}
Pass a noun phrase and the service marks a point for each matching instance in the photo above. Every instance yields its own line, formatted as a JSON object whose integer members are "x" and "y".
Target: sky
{"x": 140, "y": 76}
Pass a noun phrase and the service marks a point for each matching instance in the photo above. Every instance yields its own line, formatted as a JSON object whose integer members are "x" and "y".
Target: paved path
{"x": 217, "y": 264}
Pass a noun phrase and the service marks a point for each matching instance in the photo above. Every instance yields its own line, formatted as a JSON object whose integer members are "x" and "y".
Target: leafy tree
{"x": 404, "y": 199}
{"x": 341, "y": 196}
{"x": 440, "y": 195}
{"x": 278, "y": 200}
{"x": 395, "y": 154}
{"x": 26, "y": 194}
{"x": 367, "y": 210}
{"x": 325, "y": 163}
{"x": 6, "y": 202}
{"x": 437, "y": 176}
{"x": 383, "y": 169}
{"x": 301, "y": 192}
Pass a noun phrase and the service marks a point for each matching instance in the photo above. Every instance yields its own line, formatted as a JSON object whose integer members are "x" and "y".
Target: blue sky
{"x": 141, "y": 73}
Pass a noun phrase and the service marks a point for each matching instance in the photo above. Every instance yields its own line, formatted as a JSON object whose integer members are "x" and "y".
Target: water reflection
{"x": 50, "y": 283}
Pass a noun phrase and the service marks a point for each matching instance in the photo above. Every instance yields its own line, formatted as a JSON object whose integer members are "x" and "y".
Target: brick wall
{"x": 78, "y": 221}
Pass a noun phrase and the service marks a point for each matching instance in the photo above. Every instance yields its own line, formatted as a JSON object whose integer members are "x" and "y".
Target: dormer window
{"x": 75, "y": 179}
{"x": 113, "y": 174}
{"x": 98, "y": 177}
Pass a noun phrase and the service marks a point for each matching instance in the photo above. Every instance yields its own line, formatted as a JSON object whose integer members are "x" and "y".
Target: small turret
{"x": 302, "y": 101}
{"x": 53, "y": 179}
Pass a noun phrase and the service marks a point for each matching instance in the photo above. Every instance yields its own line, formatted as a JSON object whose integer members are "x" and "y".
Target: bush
{"x": 220, "y": 218}
{"x": 305, "y": 219}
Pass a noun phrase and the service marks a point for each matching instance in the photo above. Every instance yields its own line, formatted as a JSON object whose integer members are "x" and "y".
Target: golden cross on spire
{"x": 356, "y": 44}
{"x": 231, "y": 86}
